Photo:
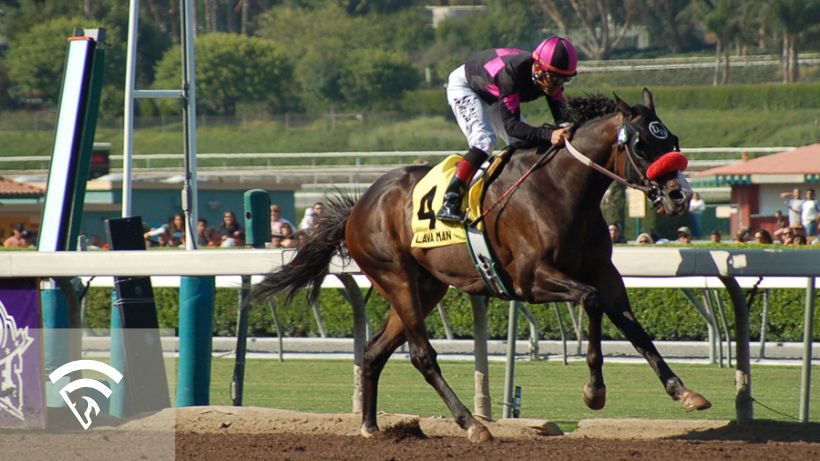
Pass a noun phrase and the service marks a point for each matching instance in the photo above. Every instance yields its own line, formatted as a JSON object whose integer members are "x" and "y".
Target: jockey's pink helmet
{"x": 556, "y": 55}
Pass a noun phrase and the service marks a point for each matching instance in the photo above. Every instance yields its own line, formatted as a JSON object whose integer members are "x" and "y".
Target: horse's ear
{"x": 647, "y": 99}
{"x": 623, "y": 107}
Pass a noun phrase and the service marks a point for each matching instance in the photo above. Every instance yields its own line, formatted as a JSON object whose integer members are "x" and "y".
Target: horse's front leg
{"x": 615, "y": 303}
{"x": 553, "y": 285}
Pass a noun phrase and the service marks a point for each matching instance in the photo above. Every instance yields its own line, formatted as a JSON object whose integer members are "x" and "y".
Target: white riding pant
{"x": 477, "y": 120}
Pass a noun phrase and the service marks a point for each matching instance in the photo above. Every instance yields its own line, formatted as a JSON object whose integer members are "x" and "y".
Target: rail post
{"x": 744, "y": 412}
{"x": 808, "y": 335}
{"x": 196, "y": 319}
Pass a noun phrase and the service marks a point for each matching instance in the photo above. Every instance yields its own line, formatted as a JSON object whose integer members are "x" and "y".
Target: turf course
{"x": 550, "y": 390}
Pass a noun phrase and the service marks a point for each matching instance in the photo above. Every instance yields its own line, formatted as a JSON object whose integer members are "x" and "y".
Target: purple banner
{"x": 21, "y": 368}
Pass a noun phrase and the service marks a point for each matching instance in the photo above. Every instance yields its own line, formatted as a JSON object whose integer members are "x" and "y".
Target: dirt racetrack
{"x": 261, "y": 433}
{"x": 251, "y": 433}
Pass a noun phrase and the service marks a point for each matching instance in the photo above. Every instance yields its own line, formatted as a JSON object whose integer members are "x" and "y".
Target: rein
{"x": 545, "y": 157}
{"x": 588, "y": 162}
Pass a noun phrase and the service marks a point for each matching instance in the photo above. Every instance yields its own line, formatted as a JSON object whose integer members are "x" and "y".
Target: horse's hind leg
{"x": 412, "y": 299}
{"x": 377, "y": 351}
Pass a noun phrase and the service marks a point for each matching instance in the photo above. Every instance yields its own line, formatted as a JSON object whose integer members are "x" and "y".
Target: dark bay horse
{"x": 550, "y": 239}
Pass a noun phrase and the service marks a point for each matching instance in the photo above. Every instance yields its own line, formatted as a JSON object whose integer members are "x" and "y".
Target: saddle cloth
{"x": 428, "y": 195}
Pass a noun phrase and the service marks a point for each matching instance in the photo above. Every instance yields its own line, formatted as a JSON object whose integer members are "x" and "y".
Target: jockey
{"x": 485, "y": 95}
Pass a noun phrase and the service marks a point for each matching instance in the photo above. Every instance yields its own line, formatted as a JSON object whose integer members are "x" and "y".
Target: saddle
{"x": 428, "y": 195}
{"x": 428, "y": 232}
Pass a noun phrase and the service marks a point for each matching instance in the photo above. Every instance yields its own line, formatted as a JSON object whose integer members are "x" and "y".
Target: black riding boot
{"x": 451, "y": 208}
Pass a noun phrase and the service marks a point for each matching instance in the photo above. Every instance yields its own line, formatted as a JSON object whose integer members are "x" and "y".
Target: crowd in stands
{"x": 801, "y": 227}
{"x": 229, "y": 233}
{"x": 798, "y": 227}
{"x": 20, "y": 237}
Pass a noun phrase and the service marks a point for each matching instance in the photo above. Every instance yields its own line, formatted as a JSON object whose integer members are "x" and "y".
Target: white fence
{"x": 726, "y": 265}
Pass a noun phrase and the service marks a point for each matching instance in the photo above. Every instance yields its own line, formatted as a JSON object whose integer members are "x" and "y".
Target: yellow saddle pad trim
{"x": 428, "y": 195}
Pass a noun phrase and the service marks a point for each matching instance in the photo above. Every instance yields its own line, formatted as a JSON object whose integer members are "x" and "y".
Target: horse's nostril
{"x": 677, "y": 196}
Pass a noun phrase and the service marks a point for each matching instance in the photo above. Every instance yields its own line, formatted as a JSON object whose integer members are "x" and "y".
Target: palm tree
{"x": 796, "y": 19}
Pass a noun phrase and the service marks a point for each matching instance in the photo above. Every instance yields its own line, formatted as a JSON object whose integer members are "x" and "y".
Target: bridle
{"x": 627, "y": 143}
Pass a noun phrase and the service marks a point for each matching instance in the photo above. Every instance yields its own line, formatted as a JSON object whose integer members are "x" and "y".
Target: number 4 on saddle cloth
{"x": 429, "y": 232}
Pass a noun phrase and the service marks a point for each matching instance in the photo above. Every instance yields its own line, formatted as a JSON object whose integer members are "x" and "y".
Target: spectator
{"x": 644, "y": 239}
{"x": 787, "y": 236}
{"x": 799, "y": 239}
{"x": 164, "y": 239}
{"x": 763, "y": 236}
{"x": 795, "y": 206}
{"x": 779, "y": 222}
{"x": 301, "y": 238}
{"x": 696, "y": 207}
{"x": 319, "y": 208}
{"x": 28, "y": 238}
{"x": 214, "y": 239}
{"x": 715, "y": 236}
{"x": 615, "y": 233}
{"x": 202, "y": 233}
{"x": 229, "y": 225}
{"x": 308, "y": 221}
{"x": 16, "y": 240}
{"x": 809, "y": 212}
{"x": 237, "y": 239}
{"x": 276, "y": 219}
{"x": 743, "y": 235}
{"x": 284, "y": 238}
{"x": 684, "y": 235}
{"x": 175, "y": 228}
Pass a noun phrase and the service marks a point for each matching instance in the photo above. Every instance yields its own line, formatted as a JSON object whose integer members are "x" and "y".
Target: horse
{"x": 550, "y": 239}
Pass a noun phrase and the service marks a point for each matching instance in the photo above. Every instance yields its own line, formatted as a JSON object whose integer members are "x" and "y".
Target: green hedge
{"x": 665, "y": 313}
{"x": 724, "y": 97}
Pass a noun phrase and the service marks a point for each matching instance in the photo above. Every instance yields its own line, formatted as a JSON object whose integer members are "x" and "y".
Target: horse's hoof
{"x": 369, "y": 431}
{"x": 479, "y": 434}
{"x": 594, "y": 397}
{"x": 691, "y": 400}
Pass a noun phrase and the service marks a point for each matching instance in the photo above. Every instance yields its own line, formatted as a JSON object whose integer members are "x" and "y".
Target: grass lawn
{"x": 550, "y": 390}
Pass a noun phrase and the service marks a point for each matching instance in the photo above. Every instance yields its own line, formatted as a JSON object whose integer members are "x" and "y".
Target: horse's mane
{"x": 589, "y": 107}
{"x": 580, "y": 109}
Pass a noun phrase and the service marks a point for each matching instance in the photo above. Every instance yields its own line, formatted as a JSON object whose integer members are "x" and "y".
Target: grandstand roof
{"x": 803, "y": 160}
{"x": 10, "y": 188}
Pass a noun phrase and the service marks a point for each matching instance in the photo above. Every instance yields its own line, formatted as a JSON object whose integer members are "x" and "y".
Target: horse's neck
{"x": 595, "y": 141}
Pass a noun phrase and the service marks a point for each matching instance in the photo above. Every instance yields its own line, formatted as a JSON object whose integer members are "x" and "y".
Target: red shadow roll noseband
{"x": 666, "y": 163}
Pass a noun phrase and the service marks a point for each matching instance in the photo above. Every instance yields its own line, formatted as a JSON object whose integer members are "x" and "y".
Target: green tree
{"x": 667, "y": 24}
{"x": 796, "y": 19}
{"x": 36, "y": 58}
{"x": 319, "y": 75}
{"x": 603, "y": 23}
{"x": 376, "y": 78}
{"x": 379, "y": 6}
{"x": 299, "y": 30}
{"x": 502, "y": 24}
{"x": 232, "y": 70}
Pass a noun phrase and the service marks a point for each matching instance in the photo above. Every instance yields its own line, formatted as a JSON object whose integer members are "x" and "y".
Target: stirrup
{"x": 447, "y": 215}
{"x": 451, "y": 209}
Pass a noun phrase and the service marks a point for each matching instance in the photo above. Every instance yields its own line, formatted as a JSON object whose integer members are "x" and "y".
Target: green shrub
{"x": 665, "y": 313}
{"x": 725, "y": 97}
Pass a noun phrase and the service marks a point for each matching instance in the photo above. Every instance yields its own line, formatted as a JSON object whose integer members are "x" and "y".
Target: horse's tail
{"x": 310, "y": 265}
